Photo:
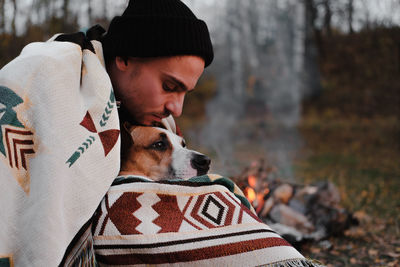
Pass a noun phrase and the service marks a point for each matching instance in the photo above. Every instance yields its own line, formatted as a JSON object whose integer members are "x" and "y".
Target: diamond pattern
{"x": 146, "y": 214}
{"x": 213, "y": 210}
{"x": 152, "y": 213}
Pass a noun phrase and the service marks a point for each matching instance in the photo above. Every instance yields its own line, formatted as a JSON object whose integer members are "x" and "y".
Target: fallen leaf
{"x": 373, "y": 252}
{"x": 355, "y": 232}
{"x": 335, "y": 252}
{"x": 315, "y": 250}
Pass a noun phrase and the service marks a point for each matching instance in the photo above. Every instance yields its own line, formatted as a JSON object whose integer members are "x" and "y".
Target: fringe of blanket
{"x": 80, "y": 252}
{"x": 294, "y": 263}
{"x": 86, "y": 258}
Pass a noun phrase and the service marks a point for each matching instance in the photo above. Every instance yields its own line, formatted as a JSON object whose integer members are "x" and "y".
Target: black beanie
{"x": 157, "y": 28}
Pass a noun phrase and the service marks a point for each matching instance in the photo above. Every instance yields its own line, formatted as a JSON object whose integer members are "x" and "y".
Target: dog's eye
{"x": 183, "y": 143}
{"x": 160, "y": 145}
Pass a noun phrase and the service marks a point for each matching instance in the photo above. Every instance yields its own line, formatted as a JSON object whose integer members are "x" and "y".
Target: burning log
{"x": 297, "y": 212}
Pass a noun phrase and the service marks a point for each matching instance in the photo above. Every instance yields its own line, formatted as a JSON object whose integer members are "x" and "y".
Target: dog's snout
{"x": 201, "y": 163}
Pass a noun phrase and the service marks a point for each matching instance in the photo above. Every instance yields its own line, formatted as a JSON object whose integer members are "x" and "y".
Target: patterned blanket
{"x": 203, "y": 221}
{"x": 59, "y": 148}
{"x": 59, "y": 153}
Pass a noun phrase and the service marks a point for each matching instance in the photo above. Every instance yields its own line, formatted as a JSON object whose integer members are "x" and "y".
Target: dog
{"x": 159, "y": 154}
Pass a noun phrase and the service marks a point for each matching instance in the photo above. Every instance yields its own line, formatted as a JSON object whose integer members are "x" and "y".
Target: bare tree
{"x": 13, "y": 28}
{"x": 65, "y": 11}
{"x": 312, "y": 49}
{"x": 327, "y": 17}
{"x": 350, "y": 12}
{"x": 104, "y": 9}
{"x": 2, "y": 16}
{"x": 90, "y": 14}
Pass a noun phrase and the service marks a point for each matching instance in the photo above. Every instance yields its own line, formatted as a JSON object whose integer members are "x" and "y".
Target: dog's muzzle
{"x": 201, "y": 163}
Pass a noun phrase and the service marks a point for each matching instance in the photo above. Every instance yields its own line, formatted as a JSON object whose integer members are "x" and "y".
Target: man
{"x": 155, "y": 53}
{"x": 59, "y": 138}
{"x": 59, "y": 127}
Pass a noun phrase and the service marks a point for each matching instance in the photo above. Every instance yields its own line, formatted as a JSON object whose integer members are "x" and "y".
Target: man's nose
{"x": 175, "y": 105}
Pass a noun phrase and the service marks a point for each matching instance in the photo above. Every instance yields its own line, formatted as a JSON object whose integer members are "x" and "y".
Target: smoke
{"x": 258, "y": 66}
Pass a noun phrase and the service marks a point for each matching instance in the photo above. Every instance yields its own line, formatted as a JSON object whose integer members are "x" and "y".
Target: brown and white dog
{"x": 157, "y": 153}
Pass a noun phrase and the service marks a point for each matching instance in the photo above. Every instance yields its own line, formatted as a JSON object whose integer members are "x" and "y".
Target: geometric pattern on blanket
{"x": 18, "y": 144}
{"x": 151, "y": 213}
{"x": 184, "y": 223}
{"x": 45, "y": 94}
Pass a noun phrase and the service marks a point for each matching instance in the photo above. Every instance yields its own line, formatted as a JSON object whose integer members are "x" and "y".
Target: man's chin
{"x": 149, "y": 121}
{"x": 157, "y": 124}
{"x": 152, "y": 123}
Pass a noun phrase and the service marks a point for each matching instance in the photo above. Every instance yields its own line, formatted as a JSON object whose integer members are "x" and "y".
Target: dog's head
{"x": 159, "y": 154}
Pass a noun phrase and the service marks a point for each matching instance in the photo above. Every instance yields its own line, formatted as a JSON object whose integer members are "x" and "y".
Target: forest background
{"x": 310, "y": 88}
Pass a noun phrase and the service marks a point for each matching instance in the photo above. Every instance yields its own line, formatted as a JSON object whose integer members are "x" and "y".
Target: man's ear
{"x": 121, "y": 63}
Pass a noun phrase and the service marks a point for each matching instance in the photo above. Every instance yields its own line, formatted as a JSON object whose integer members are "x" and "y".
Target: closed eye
{"x": 170, "y": 87}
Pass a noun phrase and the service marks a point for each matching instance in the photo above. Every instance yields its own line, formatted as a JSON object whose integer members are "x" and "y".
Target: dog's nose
{"x": 201, "y": 163}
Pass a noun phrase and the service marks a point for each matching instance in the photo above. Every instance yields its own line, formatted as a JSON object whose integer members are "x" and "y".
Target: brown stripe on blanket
{"x": 194, "y": 254}
{"x": 180, "y": 242}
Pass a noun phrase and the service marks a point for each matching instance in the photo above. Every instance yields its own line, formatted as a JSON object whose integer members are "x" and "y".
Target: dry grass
{"x": 362, "y": 157}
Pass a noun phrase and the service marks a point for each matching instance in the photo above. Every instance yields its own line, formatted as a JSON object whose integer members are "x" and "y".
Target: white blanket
{"x": 59, "y": 149}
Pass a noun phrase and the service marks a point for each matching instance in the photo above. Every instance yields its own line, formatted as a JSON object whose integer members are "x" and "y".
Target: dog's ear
{"x": 126, "y": 139}
{"x": 126, "y": 127}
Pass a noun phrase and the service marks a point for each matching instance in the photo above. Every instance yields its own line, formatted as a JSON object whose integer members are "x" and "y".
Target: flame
{"x": 250, "y": 194}
{"x": 261, "y": 201}
{"x": 252, "y": 180}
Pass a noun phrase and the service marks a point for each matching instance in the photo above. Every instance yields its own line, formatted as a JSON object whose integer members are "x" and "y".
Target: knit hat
{"x": 157, "y": 28}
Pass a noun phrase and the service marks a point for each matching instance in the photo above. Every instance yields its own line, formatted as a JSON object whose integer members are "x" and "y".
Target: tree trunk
{"x": 13, "y": 28}
{"x": 90, "y": 14}
{"x": 65, "y": 12}
{"x": 2, "y": 16}
{"x": 328, "y": 17}
{"x": 104, "y": 9}
{"x": 312, "y": 51}
{"x": 350, "y": 11}
{"x": 312, "y": 33}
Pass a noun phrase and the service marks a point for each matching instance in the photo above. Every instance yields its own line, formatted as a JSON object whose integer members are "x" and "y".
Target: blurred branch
{"x": 2, "y": 16}
{"x": 90, "y": 15}
{"x": 65, "y": 10}
{"x": 350, "y": 11}
{"x": 328, "y": 17}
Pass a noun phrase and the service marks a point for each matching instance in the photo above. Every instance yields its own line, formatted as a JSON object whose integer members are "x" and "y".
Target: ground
{"x": 361, "y": 156}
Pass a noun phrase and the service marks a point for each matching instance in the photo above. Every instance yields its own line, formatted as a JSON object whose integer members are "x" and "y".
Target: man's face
{"x": 152, "y": 89}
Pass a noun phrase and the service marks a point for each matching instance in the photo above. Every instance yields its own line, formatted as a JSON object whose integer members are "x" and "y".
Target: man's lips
{"x": 156, "y": 118}
{"x": 159, "y": 117}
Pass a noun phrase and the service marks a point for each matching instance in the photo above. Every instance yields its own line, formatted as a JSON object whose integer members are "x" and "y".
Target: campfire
{"x": 297, "y": 212}
{"x": 256, "y": 198}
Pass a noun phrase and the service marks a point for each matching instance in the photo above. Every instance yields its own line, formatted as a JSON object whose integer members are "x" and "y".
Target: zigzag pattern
{"x": 19, "y": 144}
{"x": 107, "y": 111}
{"x": 85, "y": 145}
{"x": 151, "y": 213}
